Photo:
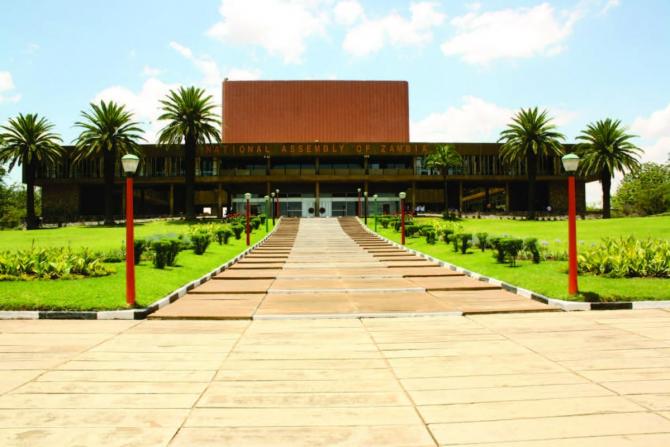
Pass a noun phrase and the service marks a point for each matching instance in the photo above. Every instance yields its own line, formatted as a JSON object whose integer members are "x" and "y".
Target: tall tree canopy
{"x": 529, "y": 136}
{"x": 604, "y": 149}
{"x": 28, "y": 141}
{"x": 108, "y": 129}
{"x": 190, "y": 121}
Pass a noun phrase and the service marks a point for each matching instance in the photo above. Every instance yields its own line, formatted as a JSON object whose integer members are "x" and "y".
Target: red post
{"x": 402, "y": 221}
{"x": 130, "y": 244}
{"x": 572, "y": 236}
{"x": 248, "y": 226}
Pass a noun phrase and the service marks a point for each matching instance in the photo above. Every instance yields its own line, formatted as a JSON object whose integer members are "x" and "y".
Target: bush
{"x": 454, "y": 242}
{"x": 411, "y": 230}
{"x": 255, "y": 223}
{"x": 385, "y": 221}
{"x": 431, "y": 236}
{"x": 499, "y": 254}
{"x": 200, "y": 242}
{"x": 446, "y": 234}
{"x": 139, "y": 245}
{"x": 465, "y": 240}
{"x": 238, "y": 230}
{"x": 165, "y": 252}
{"x": 530, "y": 245}
{"x": 511, "y": 247}
{"x": 112, "y": 256}
{"x": 263, "y": 218}
{"x": 627, "y": 258}
{"x": 51, "y": 263}
{"x": 482, "y": 240}
{"x": 223, "y": 235}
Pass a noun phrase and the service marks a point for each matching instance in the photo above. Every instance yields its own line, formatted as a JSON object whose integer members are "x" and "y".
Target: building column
{"x": 316, "y": 165}
{"x": 366, "y": 158}
{"x": 507, "y": 197}
{"x": 268, "y": 165}
{"x": 317, "y": 194}
{"x": 460, "y": 196}
{"x": 268, "y": 188}
{"x": 219, "y": 202}
{"x": 171, "y": 200}
{"x": 413, "y": 196}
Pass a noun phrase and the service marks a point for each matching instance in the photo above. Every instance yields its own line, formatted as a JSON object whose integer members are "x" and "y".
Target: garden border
{"x": 129, "y": 314}
{"x": 563, "y": 304}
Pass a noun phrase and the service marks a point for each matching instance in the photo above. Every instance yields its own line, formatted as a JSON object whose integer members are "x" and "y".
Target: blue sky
{"x": 470, "y": 65}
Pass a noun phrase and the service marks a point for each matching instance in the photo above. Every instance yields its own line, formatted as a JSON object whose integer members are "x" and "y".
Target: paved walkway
{"x": 333, "y": 267}
{"x": 587, "y": 379}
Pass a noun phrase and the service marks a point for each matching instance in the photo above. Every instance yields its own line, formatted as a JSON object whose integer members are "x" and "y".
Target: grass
{"x": 107, "y": 293}
{"x": 550, "y": 277}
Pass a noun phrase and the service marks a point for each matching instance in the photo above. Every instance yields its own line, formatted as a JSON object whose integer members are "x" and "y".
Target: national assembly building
{"x": 317, "y": 143}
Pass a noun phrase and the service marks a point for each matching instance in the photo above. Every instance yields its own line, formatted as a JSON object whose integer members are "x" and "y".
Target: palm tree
{"x": 191, "y": 121}
{"x": 528, "y": 137}
{"x": 107, "y": 130}
{"x": 27, "y": 140}
{"x": 444, "y": 158}
{"x": 606, "y": 148}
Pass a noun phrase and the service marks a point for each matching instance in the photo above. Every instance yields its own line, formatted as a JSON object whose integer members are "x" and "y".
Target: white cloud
{"x": 281, "y": 27}
{"x": 475, "y": 120}
{"x": 610, "y": 4}
{"x": 144, "y": 104}
{"x": 654, "y": 132}
{"x": 151, "y": 72}
{"x": 482, "y": 37}
{"x": 371, "y": 35}
{"x": 243, "y": 74}
{"x": 7, "y": 88}
{"x": 212, "y": 75}
{"x": 347, "y": 12}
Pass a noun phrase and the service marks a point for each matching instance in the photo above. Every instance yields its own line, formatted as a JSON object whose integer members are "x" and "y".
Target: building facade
{"x": 317, "y": 142}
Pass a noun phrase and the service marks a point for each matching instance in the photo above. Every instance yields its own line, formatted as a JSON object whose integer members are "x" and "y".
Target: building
{"x": 317, "y": 142}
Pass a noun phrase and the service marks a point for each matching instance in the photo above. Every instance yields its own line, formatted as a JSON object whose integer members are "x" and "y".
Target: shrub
{"x": 530, "y": 245}
{"x": 449, "y": 215}
{"x": 465, "y": 240}
{"x": 511, "y": 247}
{"x": 454, "y": 242}
{"x": 482, "y": 240}
{"x": 255, "y": 223}
{"x": 263, "y": 218}
{"x": 200, "y": 242}
{"x": 499, "y": 255}
{"x": 627, "y": 257}
{"x": 238, "y": 230}
{"x": 112, "y": 256}
{"x": 446, "y": 234}
{"x": 139, "y": 245}
{"x": 411, "y": 229}
{"x": 223, "y": 234}
{"x": 165, "y": 252}
{"x": 51, "y": 263}
{"x": 431, "y": 236}
{"x": 425, "y": 229}
{"x": 385, "y": 221}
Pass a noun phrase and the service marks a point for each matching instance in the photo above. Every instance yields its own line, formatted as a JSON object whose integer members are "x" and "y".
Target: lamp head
{"x": 570, "y": 162}
{"x": 359, "y": 190}
{"x": 375, "y": 197}
{"x": 272, "y": 194}
{"x": 402, "y": 195}
{"x": 277, "y": 190}
{"x": 130, "y": 162}
{"x": 365, "y": 193}
{"x": 247, "y": 195}
{"x": 266, "y": 198}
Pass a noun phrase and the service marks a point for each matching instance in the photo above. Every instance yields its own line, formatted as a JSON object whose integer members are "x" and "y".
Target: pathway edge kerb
{"x": 567, "y": 306}
{"x": 130, "y": 314}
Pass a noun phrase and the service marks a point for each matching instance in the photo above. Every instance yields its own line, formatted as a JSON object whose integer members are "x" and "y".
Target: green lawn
{"x": 108, "y": 292}
{"x": 550, "y": 278}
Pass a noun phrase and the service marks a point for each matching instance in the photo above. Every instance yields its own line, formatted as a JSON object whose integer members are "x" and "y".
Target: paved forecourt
{"x": 585, "y": 379}
{"x": 333, "y": 267}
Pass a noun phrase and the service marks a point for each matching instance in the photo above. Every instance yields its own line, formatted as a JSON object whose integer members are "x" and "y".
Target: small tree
{"x": 444, "y": 158}
{"x": 27, "y": 140}
{"x": 645, "y": 191}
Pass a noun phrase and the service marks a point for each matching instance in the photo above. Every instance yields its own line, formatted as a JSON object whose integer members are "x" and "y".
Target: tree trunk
{"x": 109, "y": 160}
{"x": 606, "y": 182}
{"x": 31, "y": 219}
{"x": 446, "y": 198}
{"x": 189, "y": 176}
{"x": 532, "y": 175}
